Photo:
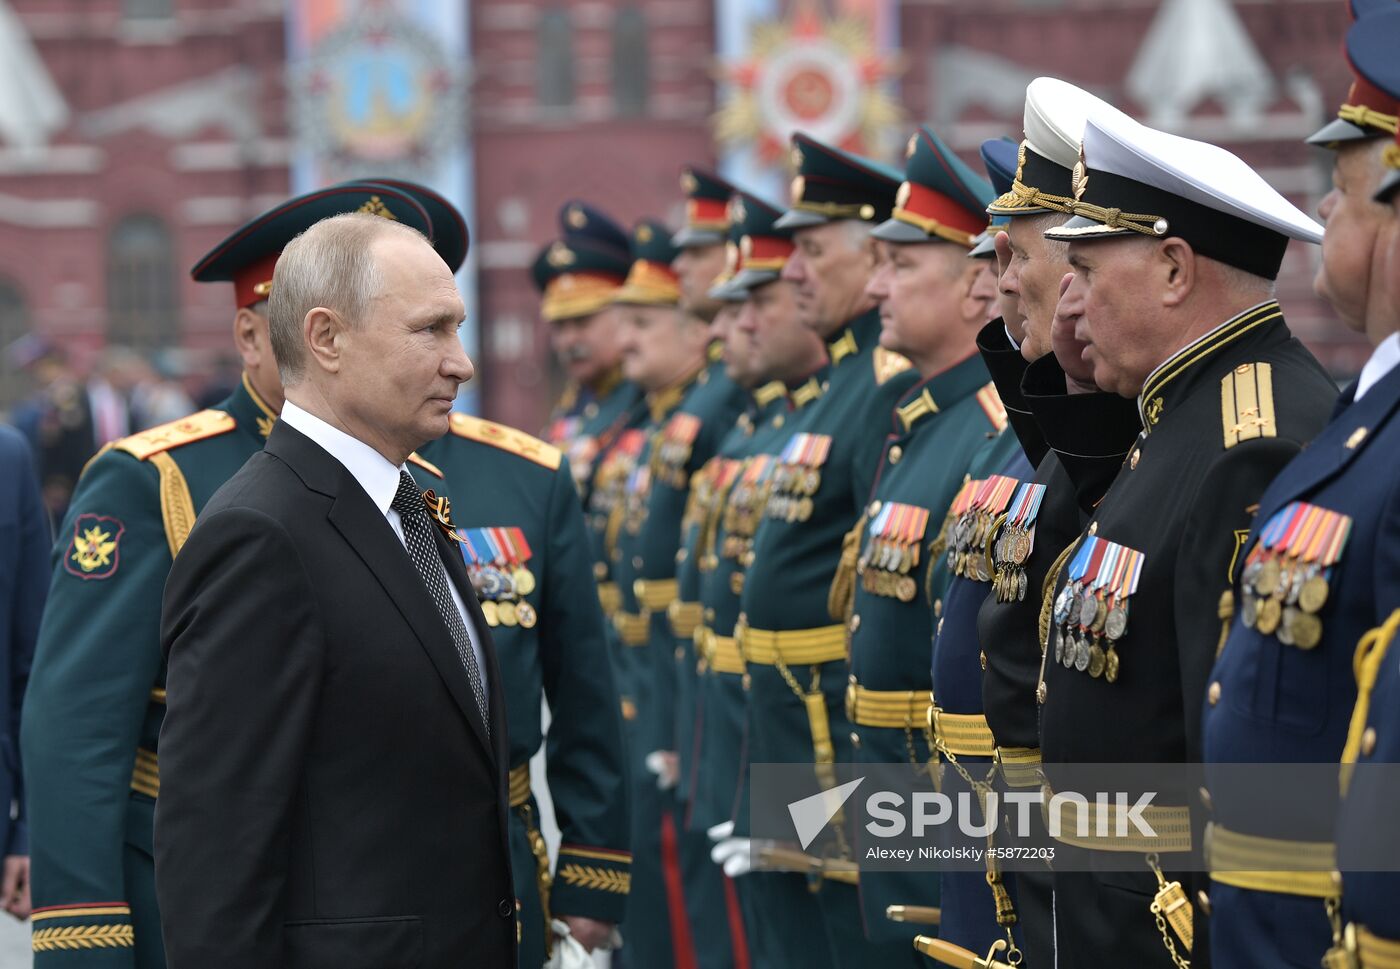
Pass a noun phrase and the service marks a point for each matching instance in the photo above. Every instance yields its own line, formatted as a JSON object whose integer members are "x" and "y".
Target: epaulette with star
{"x": 992, "y": 406}
{"x": 888, "y": 364}
{"x": 197, "y": 427}
{"x": 507, "y": 439}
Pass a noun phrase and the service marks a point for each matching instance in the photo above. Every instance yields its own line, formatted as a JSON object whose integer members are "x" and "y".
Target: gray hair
{"x": 329, "y": 265}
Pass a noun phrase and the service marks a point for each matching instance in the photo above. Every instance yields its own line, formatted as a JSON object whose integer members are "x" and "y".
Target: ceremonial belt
{"x": 684, "y": 617}
{"x": 1373, "y": 951}
{"x": 1020, "y": 766}
{"x": 1271, "y": 864}
{"x": 655, "y": 595}
{"x": 1171, "y": 823}
{"x": 896, "y": 709}
{"x": 721, "y": 652}
{"x": 961, "y": 734}
{"x": 635, "y": 630}
{"x": 802, "y": 647}
{"x": 610, "y": 597}
{"x": 145, "y": 776}
{"x": 520, "y": 785}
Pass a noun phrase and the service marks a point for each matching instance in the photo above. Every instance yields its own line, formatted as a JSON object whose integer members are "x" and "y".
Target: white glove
{"x": 568, "y": 952}
{"x": 666, "y": 766}
{"x": 720, "y": 831}
{"x": 734, "y": 855}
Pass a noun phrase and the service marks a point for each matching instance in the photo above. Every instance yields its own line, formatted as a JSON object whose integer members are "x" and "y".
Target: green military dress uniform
{"x": 1136, "y": 611}
{"x": 684, "y": 426}
{"x": 793, "y": 646}
{"x": 522, "y": 536}
{"x": 893, "y": 573}
{"x": 96, "y": 696}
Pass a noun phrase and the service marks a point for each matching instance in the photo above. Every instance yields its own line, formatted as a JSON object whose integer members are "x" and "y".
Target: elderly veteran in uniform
{"x": 1283, "y": 688}
{"x": 1175, "y": 246}
{"x": 1365, "y": 833}
{"x": 688, "y": 411}
{"x": 1095, "y": 429}
{"x": 891, "y": 574}
{"x": 577, "y": 275}
{"x": 96, "y": 696}
{"x": 767, "y": 348}
{"x": 794, "y": 648}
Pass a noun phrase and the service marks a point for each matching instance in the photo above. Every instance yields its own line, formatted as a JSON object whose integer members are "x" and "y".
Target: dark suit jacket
{"x": 329, "y": 798}
{"x": 24, "y": 583}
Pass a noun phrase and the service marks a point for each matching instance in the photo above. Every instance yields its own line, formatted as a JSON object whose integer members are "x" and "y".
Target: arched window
{"x": 148, "y": 9}
{"x": 630, "y": 75}
{"x": 554, "y": 63}
{"x": 14, "y": 323}
{"x": 141, "y": 298}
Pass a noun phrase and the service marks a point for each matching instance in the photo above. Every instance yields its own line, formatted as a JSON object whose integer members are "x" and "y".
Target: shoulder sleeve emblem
{"x": 992, "y": 406}
{"x": 888, "y": 364}
{"x": 94, "y": 549}
{"x": 1247, "y": 403}
{"x": 507, "y": 439}
{"x": 426, "y": 465}
{"x": 196, "y": 427}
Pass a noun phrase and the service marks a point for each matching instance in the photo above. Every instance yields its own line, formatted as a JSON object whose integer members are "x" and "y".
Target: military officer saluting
{"x": 577, "y": 275}
{"x": 1093, "y": 430}
{"x": 794, "y": 648}
{"x": 1169, "y": 236}
{"x": 688, "y": 410}
{"x": 892, "y": 575}
{"x": 96, "y": 694}
{"x": 1319, "y": 569}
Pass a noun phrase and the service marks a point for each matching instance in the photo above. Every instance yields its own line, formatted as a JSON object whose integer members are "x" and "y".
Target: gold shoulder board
{"x": 196, "y": 427}
{"x": 888, "y": 364}
{"x": 1247, "y": 403}
{"x": 426, "y": 465}
{"x": 507, "y": 439}
{"x": 992, "y": 406}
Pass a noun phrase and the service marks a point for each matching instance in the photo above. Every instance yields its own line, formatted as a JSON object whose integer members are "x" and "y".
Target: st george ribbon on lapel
{"x": 422, "y": 548}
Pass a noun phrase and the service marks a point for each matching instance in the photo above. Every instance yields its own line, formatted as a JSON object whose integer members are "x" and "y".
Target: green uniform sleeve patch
{"x": 94, "y": 550}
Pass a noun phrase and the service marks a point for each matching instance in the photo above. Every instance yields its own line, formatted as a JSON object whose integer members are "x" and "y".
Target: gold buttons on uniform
{"x": 778, "y": 421}
{"x": 896, "y": 453}
{"x": 875, "y": 508}
{"x": 1204, "y": 899}
{"x": 709, "y": 614}
{"x": 938, "y": 607}
{"x": 1368, "y": 742}
{"x": 855, "y": 622}
{"x": 855, "y": 739}
{"x": 1133, "y": 459}
{"x": 1093, "y": 528}
{"x": 681, "y": 554}
{"x": 1213, "y": 694}
{"x": 600, "y": 571}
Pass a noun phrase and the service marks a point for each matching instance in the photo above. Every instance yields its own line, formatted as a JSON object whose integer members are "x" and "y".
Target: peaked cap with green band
{"x": 579, "y": 273}
{"x": 706, "y": 209}
{"x": 651, "y": 281}
{"x": 832, "y": 184}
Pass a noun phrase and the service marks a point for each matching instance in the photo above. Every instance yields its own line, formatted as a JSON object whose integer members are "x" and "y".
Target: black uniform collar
{"x": 940, "y": 391}
{"x": 249, "y": 410}
{"x": 854, "y": 336}
{"x": 1175, "y": 378}
{"x": 1006, "y": 365}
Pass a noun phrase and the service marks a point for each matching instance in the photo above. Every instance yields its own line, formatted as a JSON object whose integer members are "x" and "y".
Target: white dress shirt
{"x": 1383, "y": 360}
{"x": 380, "y": 480}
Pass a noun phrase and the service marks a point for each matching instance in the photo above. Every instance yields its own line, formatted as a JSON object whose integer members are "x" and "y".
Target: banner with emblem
{"x": 379, "y": 88}
{"x": 825, "y": 68}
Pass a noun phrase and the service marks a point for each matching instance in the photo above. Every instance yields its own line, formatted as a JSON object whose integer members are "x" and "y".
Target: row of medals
{"x": 1012, "y": 549}
{"x": 668, "y": 465}
{"x": 1079, "y": 648}
{"x": 792, "y": 491}
{"x": 884, "y": 568}
{"x": 741, "y": 516}
{"x": 966, "y": 557}
{"x": 502, "y": 595}
{"x": 1285, "y": 603}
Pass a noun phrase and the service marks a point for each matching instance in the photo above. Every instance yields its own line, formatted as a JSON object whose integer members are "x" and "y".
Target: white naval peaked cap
{"x": 1055, "y": 115}
{"x": 1136, "y": 180}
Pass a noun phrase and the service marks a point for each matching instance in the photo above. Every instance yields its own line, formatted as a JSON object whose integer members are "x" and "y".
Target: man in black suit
{"x": 333, "y": 759}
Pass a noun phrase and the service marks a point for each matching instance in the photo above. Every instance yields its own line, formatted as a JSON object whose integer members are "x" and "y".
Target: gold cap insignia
{"x": 902, "y": 197}
{"x": 737, "y": 212}
{"x": 798, "y": 185}
{"x": 689, "y": 184}
{"x": 797, "y": 158}
{"x": 913, "y": 145}
{"x": 644, "y": 234}
{"x": 560, "y": 255}
{"x": 1020, "y": 161}
{"x": 1079, "y": 178}
{"x": 376, "y": 206}
{"x": 576, "y": 217}
{"x": 867, "y": 212}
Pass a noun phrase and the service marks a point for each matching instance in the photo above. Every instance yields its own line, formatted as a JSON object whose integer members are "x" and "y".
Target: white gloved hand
{"x": 734, "y": 855}
{"x": 665, "y": 764}
{"x": 568, "y": 952}
{"x": 720, "y": 831}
